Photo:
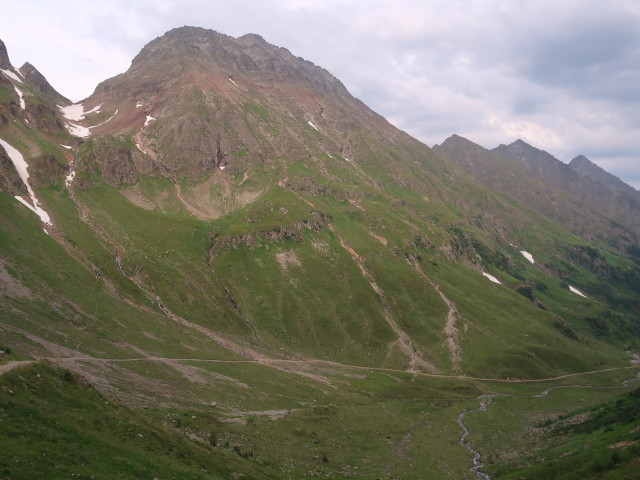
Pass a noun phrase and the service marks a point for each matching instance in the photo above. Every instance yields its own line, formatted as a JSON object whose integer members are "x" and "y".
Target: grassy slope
{"x": 55, "y": 426}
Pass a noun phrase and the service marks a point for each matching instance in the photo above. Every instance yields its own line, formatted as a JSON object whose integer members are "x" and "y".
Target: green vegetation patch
{"x": 55, "y": 426}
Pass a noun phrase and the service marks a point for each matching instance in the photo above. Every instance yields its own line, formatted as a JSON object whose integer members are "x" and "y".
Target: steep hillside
{"x": 231, "y": 245}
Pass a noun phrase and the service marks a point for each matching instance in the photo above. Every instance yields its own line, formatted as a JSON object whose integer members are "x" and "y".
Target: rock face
{"x": 114, "y": 161}
{"x": 4, "y": 57}
{"x": 33, "y": 76}
{"x": 46, "y": 170}
{"x": 586, "y": 168}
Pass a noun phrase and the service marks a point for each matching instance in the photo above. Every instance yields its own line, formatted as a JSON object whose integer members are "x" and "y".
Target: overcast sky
{"x": 563, "y": 75}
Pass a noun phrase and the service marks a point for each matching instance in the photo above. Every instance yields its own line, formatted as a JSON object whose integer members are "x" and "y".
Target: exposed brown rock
{"x": 47, "y": 170}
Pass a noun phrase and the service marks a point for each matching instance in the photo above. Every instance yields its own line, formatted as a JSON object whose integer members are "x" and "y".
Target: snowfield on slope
{"x": 21, "y": 166}
{"x": 576, "y": 291}
{"x": 528, "y": 256}
{"x": 492, "y": 278}
{"x": 12, "y": 75}
{"x": 19, "y": 92}
{"x": 76, "y": 113}
{"x": 116, "y": 112}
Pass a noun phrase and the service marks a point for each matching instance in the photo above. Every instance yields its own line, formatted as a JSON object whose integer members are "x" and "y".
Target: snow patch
{"x": 95, "y": 109}
{"x": 138, "y": 105}
{"x": 576, "y": 291}
{"x": 139, "y": 148}
{"x": 222, "y": 167}
{"x": 76, "y": 113}
{"x": 68, "y": 147}
{"x": 21, "y": 166}
{"x": 72, "y": 174}
{"x": 12, "y": 75}
{"x": 70, "y": 177}
{"x": 528, "y": 256}
{"x": 19, "y": 92}
{"x": 231, "y": 80}
{"x": 492, "y": 278}
{"x": 149, "y": 119}
{"x": 310, "y": 123}
{"x": 73, "y": 112}
{"x": 116, "y": 112}
{"x": 78, "y": 130}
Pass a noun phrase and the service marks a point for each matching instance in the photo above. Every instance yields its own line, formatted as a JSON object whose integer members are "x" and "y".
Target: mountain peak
{"x": 33, "y": 76}
{"x": 5, "y": 63}
{"x": 187, "y": 48}
{"x": 192, "y": 86}
{"x": 586, "y": 168}
{"x": 253, "y": 38}
{"x": 456, "y": 141}
{"x": 581, "y": 160}
{"x": 526, "y": 154}
{"x": 524, "y": 146}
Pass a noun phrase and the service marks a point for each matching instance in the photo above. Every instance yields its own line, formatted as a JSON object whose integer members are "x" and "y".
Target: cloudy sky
{"x": 561, "y": 75}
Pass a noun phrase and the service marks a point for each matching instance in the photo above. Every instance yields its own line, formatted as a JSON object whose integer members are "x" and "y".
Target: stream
{"x": 486, "y": 400}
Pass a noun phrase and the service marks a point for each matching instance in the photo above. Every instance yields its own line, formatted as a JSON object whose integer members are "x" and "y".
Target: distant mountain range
{"x": 585, "y": 167}
{"x": 564, "y": 192}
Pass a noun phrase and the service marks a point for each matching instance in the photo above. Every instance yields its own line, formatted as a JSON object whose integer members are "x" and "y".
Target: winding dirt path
{"x": 72, "y": 356}
{"x": 7, "y": 367}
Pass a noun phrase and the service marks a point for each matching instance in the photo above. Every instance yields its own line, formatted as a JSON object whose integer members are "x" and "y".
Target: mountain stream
{"x": 486, "y": 400}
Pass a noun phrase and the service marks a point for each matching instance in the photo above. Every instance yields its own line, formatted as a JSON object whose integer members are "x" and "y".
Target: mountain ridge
{"x": 620, "y": 206}
{"x": 32, "y": 75}
{"x": 515, "y": 179}
{"x": 585, "y": 167}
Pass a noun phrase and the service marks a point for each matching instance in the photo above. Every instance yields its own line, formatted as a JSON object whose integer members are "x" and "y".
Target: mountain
{"x": 33, "y": 76}
{"x": 5, "y": 63}
{"x": 251, "y": 99}
{"x": 510, "y": 176}
{"x": 621, "y": 207}
{"x": 585, "y": 167}
{"x": 237, "y": 269}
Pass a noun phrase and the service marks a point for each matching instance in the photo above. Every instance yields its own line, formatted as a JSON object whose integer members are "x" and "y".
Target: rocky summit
{"x": 223, "y": 265}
